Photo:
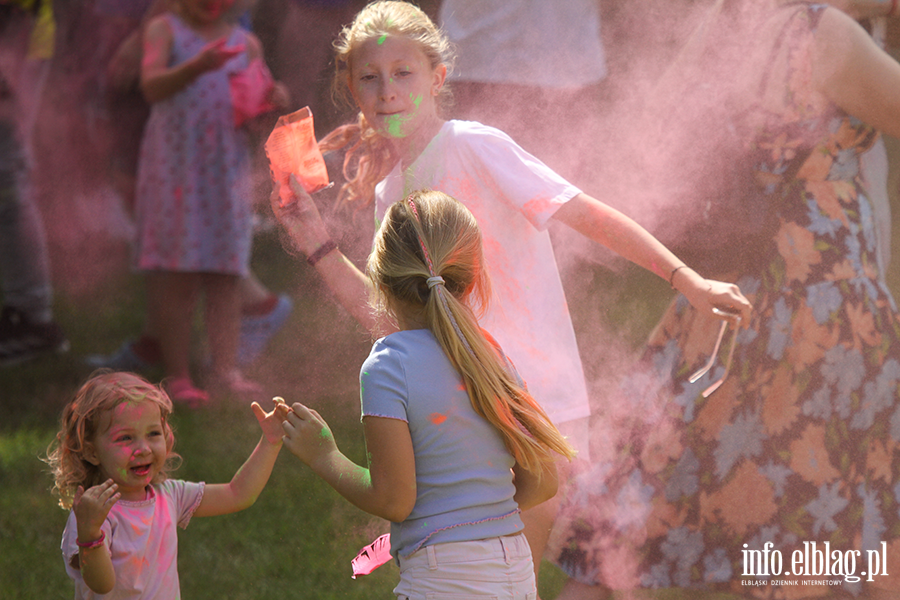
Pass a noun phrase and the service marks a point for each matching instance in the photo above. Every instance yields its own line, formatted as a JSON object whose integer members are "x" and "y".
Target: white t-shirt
{"x": 512, "y": 196}
{"x": 142, "y": 541}
{"x": 526, "y": 42}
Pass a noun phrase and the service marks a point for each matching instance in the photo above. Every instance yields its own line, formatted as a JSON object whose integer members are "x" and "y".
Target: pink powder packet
{"x": 292, "y": 148}
{"x": 250, "y": 91}
{"x": 372, "y": 556}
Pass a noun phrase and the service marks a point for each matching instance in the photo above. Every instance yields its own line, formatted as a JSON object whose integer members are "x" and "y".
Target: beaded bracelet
{"x": 94, "y": 544}
{"x": 672, "y": 275}
{"x": 321, "y": 253}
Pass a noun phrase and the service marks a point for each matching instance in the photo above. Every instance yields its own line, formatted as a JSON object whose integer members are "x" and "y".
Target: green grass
{"x": 298, "y": 539}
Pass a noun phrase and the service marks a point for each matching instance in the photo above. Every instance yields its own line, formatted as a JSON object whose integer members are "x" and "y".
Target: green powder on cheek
{"x": 394, "y": 125}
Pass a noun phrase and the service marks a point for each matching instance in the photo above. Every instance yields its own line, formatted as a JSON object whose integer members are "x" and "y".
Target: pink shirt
{"x": 143, "y": 542}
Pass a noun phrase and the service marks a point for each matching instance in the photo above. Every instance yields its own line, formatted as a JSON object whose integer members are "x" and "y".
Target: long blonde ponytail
{"x": 427, "y": 258}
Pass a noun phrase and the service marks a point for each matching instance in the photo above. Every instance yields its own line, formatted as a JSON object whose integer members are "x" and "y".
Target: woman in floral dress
{"x": 800, "y": 442}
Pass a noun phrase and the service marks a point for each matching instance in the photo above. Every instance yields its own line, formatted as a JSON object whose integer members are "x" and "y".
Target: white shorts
{"x": 495, "y": 568}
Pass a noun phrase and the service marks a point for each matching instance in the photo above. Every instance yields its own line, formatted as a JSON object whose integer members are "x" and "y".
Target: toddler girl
{"x": 456, "y": 444}
{"x": 111, "y": 460}
{"x": 193, "y": 206}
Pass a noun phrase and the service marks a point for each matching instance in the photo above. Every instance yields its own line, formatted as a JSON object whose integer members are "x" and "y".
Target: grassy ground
{"x": 298, "y": 539}
{"x": 295, "y": 542}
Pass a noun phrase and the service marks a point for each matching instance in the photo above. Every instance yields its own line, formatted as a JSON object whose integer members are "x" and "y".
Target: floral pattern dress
{"x": 800, "y": 443}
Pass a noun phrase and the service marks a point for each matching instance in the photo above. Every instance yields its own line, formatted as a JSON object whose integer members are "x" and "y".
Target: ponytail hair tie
{"x": 433, "y": 281}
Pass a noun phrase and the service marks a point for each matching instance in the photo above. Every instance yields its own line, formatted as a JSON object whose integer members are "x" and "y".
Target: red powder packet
{"x": 372, "y": 556}
{"x": 250, "y": 91}
{"x": 292, "y": 148}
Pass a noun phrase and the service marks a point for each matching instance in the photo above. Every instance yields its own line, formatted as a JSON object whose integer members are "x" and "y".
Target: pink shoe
{"x": 233, "y": 382}
{"x": 181, "y": 390}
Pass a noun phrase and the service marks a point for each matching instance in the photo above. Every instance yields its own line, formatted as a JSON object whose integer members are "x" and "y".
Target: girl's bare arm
{"x": 609, "y": 227}
{"x": 250, "y": 480}
{"x": 854, "y": 73}
{"x": 386, "y": 489}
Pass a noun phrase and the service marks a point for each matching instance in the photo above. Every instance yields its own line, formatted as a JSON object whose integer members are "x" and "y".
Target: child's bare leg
{"x": 223, "y": 319}
{"x": 252, "y": 291}
{"x": 170, "y": 300}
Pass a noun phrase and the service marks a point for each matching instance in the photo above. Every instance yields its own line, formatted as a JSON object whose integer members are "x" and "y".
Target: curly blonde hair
{"x": 370, "y": 157}
{"x": 80, "y": 423}
{"x": 430, "y": 234}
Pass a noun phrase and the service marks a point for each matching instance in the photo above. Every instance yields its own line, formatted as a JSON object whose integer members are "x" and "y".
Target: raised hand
{"x": 215, "y": 54}
{"x": 270, "y": 422}
{"x": 295, "y": 210}
{"x": 92, "y": 506}
{"x": 307, "y": 435}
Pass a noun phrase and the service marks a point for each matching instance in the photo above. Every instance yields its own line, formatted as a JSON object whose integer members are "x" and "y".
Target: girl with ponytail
{"x": 393, "y": 62}
{"x": 456, "y": 445}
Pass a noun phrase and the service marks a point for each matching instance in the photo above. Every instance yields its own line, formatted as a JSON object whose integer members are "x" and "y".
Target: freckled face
{"x": 130, "y": 447}
{"x": 394, "y": 85}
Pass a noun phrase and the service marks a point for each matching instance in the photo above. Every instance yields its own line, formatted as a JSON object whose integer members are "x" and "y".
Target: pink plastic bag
{"x": 250, "y": 91}
{"x": 372, "y": 556}
{"x": 292, "y": 148}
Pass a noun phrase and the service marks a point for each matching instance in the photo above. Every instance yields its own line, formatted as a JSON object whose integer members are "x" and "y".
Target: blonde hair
{"x": 80, "y": 423}
{"x": 370, "y": 157}
{"x": 431, "y": 235}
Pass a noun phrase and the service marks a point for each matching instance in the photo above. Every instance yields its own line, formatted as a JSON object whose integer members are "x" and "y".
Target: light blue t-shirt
{"x": 464, "y": 485}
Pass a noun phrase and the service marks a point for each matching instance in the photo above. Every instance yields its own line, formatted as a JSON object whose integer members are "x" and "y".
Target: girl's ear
{"x": 440, "y": 76}
{"x": 90, "y": 454}
{"x": 352, "y": 89}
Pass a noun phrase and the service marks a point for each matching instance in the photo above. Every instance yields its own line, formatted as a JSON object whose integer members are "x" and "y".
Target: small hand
{"x": 92, "y": 506}
{"x": 215, "y": 54}
{"x": 270, "y": 422}
{"x": 295, "y": 210}
{"x": 728, "y": 298}
{"x": 307, "y": 435}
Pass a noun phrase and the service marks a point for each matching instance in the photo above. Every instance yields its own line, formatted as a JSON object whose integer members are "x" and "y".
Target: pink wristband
{"x": 94, "y": 544}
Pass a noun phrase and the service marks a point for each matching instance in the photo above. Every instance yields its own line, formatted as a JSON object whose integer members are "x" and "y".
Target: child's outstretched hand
{"x": 271, "y": 421}
{"x": 215, "y": 54}
{"x": 91, "y": 507}
{"x": 297, "y": 212}
{"x": 307, "y": 435}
